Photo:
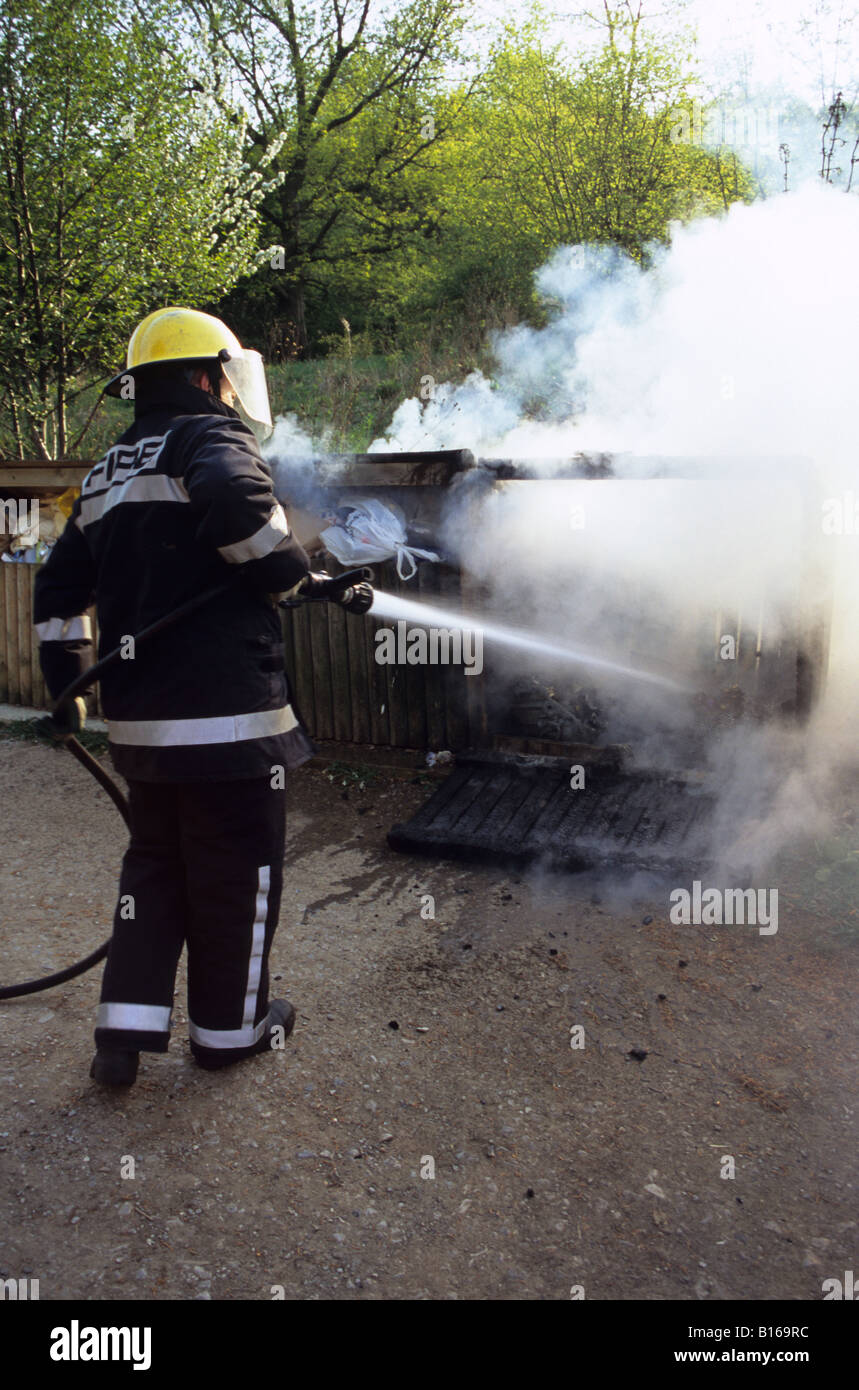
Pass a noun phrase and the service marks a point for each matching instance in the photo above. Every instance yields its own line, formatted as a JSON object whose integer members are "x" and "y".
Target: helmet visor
{"x": 246, "y": 375}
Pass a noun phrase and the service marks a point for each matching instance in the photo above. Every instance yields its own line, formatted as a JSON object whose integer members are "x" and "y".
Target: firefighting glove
{"x": 70, "y": 717}
{"x": 67, "y": 720}
{"x": 313, "y": 586}
{"x": 357, "y": 599}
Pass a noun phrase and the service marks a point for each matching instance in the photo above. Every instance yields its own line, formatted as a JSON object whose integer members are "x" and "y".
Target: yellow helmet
{"x": 187, "y": 335}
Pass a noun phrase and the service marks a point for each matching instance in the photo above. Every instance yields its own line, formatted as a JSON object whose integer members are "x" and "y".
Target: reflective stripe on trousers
{"x": 248, "y": 1034}
{"x": 192, "y": 874}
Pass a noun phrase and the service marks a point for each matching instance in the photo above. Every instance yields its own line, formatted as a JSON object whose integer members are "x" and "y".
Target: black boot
{"x": 112, "y": 1067}
{"x": 281, "y": 1015}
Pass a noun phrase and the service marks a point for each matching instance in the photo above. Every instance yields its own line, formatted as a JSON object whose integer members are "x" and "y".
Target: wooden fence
{"x": 343, "y": 694}
{"x": 21, "y": 680}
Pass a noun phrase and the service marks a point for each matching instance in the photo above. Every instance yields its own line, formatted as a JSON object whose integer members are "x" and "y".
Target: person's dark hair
{"x": 211, "y": 365}
{"x": 155, "y": 376}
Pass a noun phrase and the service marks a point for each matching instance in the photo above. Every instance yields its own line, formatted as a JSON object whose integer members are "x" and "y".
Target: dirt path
{"x": 418, "y": 1039}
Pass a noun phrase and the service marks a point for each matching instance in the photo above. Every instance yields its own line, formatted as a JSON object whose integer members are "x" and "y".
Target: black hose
{"x": 102, "y": 776}
{"x": 95, "y": 673}
{"x": 48, "y": 981}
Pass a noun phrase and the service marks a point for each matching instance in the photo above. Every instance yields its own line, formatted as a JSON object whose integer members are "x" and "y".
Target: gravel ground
{"x": 428, "y": 1045}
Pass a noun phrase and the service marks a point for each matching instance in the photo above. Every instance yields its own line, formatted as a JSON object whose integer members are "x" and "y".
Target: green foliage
{"x": 125, "y": 189}
{"x": 408, "y": 204}
{"x": 545, "y": 150}
{"x": 346, "y": 102}
{"x": 347, "y": 402}
{"x": 555, "y": 152}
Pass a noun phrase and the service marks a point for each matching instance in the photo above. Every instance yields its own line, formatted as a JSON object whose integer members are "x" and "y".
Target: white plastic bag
{"x": 373, "y": 530}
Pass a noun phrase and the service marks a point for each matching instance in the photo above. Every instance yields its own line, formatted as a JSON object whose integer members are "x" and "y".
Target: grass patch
{"x": 355, "y": 775}
{"x": 29, "y": 731}
{"x": 345, "y": 399}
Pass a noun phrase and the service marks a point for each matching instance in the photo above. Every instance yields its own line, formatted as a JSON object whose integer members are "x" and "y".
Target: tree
{"x": 561, "y": 147}
{"x": 122, "y": 191}
{"x": 346, "y": 99}
{"x": 588, "y": 151}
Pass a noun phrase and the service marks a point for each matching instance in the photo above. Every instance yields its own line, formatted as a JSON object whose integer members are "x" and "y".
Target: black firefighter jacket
{"x": 181, "y": 503}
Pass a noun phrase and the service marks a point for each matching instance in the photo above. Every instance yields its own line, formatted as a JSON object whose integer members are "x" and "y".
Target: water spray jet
{"x": 427, "y": 615}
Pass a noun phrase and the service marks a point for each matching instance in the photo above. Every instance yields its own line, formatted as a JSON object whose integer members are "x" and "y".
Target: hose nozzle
{"x": 351, "y": 590}
{"x": 337, "y": 584}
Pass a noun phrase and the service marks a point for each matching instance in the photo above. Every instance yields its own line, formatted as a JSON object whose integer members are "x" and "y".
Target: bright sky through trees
{"x": 808, "y": 48}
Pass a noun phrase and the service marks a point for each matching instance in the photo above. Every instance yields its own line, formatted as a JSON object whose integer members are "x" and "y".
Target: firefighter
{"x": 200, "y": 723}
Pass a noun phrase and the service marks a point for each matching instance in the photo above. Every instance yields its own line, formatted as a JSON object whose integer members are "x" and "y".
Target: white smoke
{"x": 294, "y": 457}
{"x": 736, "y": 346}
{"x": 290, "y": 440}
{"x": 733, "y": 342}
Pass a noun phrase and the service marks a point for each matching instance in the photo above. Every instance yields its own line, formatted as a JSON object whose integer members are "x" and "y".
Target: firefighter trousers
{"x": 204, "y": 868}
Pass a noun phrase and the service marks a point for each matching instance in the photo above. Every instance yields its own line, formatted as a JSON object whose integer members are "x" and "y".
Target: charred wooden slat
{"x": 359, "y": 677}
{"x": 434, "y": 676}
{"x": 522, "y": 826}
{"x": 341, "y": 677}
{"x": 412, "y": 680}
{"x": 433, "y": 810}
{"x": 566, "y": 816}
{"x": 421, "y": 468}
{"x": 469, "y": 791}
{"x": 13, "y": 637}
{"x": 550, "y": 470}
{"x": 320, "y": 654}
{"x": 7, "y": 652}
{"x": 516, "y": 812}
{"x": 379, "y": 700}
{"x": 492, "y": 789}
{"x": 452, "y": 706}
{"x": 302, "y": 671}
